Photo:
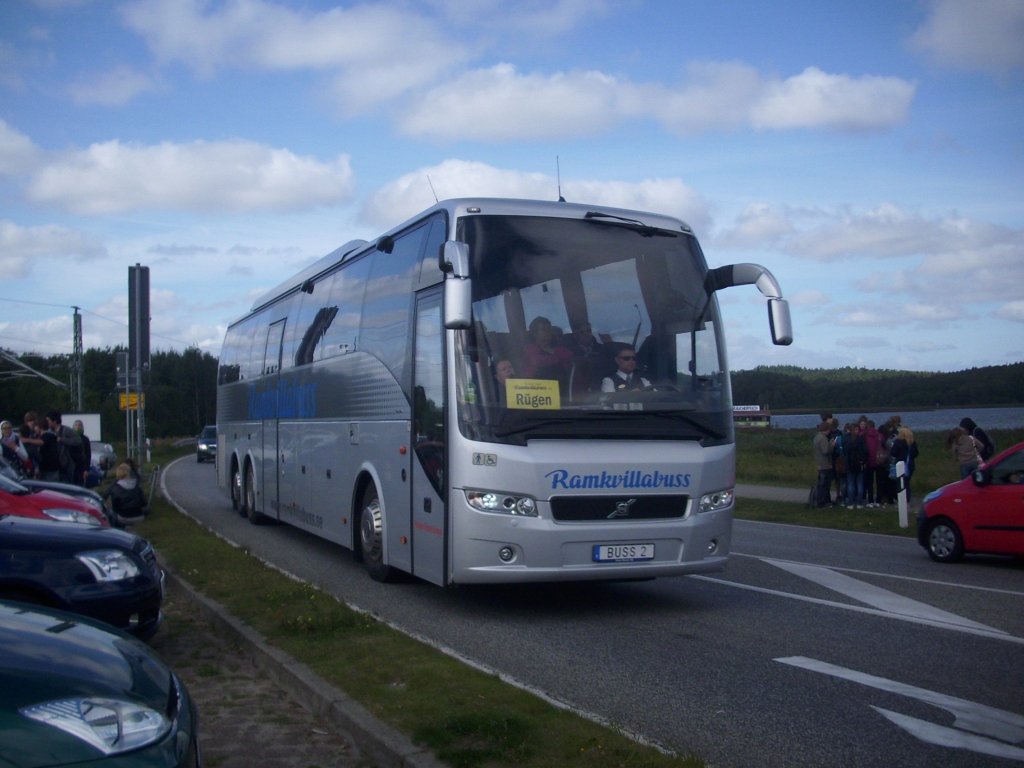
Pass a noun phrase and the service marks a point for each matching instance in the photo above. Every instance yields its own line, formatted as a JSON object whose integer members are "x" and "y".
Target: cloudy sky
{"x": 871, "y": 154}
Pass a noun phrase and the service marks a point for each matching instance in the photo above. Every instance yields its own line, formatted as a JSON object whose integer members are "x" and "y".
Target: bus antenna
{"x": 558, "y": 170}
{"x": 432, "y": 189}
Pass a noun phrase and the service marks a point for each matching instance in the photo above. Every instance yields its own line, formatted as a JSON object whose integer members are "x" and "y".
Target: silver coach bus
{"x": 495, "y": 391}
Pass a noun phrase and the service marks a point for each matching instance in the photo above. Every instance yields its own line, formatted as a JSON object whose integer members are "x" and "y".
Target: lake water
{"x": 938, "y": 420}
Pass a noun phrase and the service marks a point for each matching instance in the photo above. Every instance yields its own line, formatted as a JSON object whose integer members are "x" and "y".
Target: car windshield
{"x": 594, "y": 327}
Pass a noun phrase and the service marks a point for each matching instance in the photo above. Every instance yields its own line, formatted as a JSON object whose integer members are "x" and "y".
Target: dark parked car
{"x": 17, "y": 499}
{"x": 206, "y": 445}
{"x": 76, "y": 692}
{"x": 983, "y": 513}
{"x": 104, "y": 573}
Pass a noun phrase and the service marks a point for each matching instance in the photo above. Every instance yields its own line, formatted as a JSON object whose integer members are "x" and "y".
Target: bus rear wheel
{"x": 371, "y": 537}
{"x": 250, "y": 498}
{"x": 236, "y": 490}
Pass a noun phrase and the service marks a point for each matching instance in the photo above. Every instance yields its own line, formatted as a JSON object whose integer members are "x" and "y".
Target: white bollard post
{"x": 901, "y": 496}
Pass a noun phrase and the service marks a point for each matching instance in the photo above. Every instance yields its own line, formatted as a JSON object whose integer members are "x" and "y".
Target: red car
{"x": 983, "y": 513}
{"x": 16, "y": 499}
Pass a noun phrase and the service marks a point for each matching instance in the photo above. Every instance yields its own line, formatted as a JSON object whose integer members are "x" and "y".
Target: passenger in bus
{"x": 625, "y": 378}
{"x": 592, "y": 359}
{"x": 543, "y": 357}
{"x": 503, "y": 371}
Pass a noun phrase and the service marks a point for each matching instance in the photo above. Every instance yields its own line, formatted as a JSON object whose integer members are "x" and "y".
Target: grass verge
{"x": 464, "y": 716}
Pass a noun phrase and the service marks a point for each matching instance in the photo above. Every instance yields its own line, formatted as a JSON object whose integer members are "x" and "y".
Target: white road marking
{"x": 941, "y": 736}
{"x": 978, "y": 727}
{"x": 874, "y": 596}
{"x": 991, "y": 634}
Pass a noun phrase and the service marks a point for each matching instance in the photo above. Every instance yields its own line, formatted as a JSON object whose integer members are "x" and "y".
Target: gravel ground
{"x": 245, "y": 719}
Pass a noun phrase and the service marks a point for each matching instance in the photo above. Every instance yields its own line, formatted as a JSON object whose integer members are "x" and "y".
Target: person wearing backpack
{"x": 987, "y": 448}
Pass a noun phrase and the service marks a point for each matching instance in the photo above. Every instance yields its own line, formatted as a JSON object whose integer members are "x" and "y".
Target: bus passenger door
{"x": 429, "y": 454}
{"x": 269, "y": 472}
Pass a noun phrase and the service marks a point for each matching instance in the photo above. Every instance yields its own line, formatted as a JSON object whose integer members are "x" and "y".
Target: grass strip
{"x": 466, "y": 717}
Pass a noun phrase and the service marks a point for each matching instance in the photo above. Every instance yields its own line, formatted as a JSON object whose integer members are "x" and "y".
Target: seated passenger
{"x": 626, "y": 377}
{"x": 543, "y": 358}
{"x": 592, "y": 359}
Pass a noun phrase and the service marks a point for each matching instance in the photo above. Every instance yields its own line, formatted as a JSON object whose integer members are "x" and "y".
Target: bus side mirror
{"x": 458, "y": 293}
{"x": 754, "y": 274}
{"x": 779, "y": 322}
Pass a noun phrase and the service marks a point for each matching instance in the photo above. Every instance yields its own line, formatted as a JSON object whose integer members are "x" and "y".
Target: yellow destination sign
{"x": 533, "y": 394}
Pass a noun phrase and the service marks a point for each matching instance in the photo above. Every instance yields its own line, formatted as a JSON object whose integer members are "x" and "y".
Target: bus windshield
{"x": 597, "y": 327}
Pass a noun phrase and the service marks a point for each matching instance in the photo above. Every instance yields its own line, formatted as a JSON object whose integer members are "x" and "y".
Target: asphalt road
{"x": 815, "y": 648}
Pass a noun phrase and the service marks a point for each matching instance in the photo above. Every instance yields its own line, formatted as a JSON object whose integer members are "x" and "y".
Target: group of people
{"x": 49, "y": 450}
{"x": 860, "y": 461}
{"x": 593, "y": 365}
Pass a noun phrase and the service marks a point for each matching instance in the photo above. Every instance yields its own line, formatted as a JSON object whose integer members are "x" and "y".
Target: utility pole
{"x": 77, "y": 363}
{"x": 138, "y": 348}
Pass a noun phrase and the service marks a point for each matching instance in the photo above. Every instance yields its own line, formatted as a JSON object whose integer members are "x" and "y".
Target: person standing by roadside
{"x": 986, "y": 448}
{"x": 822, "y": 451}
{"x": 876, "y": 456}
{"x": 856, "y": 465}
{"x": 905, "y": 449}
{"x": 835, "y": 440}
{"x": 82, "y": 469}
{"x": 965, "y": 450}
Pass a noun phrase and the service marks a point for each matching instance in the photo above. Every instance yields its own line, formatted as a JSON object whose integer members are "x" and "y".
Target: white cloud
{"x": 502, "y": 104}
{"x": 201, "y": 177}
{"x": 17, "y": 152}
{"x": 499, "y": 104}
{"x": 375, "y": 52}
{"x": 759, "y": 225}
{"x": 1012, "y": 310}
{"x": 23, "y": 248}
{"x": 118, "y": 86}
{"x": 411, "y": 193}
{"x": 982, "y": 35}
{"x": 816, "y": 99}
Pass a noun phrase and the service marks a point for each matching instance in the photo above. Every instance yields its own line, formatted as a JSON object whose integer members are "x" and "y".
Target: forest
{"x": 181, "y": 389}
{"x": 786, "y": 388}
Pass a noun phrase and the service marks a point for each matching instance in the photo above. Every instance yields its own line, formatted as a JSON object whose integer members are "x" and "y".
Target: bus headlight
{"x": 504, "y": 503}
{"x": 711, "y": 502}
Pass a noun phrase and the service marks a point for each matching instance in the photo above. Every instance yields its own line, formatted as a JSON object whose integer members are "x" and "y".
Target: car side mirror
{"x": 980, "y": 477}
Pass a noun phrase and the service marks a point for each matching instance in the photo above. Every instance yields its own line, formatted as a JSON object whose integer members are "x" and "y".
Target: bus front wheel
{"x": 371, "y": 537}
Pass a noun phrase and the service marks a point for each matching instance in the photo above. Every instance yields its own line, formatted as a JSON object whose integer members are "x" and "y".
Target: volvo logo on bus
{"x": 622, "y": 509}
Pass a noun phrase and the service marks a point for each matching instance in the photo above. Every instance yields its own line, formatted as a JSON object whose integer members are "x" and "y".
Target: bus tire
{"x": 250, "y": 498}
{"x": 236, "y": 490}
{"x": 371, "y": 537}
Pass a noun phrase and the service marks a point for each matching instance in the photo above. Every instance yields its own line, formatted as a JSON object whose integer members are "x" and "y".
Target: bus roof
{"x": 470, "y": 206}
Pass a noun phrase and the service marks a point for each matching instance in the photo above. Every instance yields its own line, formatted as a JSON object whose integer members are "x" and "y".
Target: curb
{"x": 381, "y": 743}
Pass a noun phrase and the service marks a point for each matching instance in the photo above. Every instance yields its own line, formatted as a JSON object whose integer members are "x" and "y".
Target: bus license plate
{"x": 622, "y": 553}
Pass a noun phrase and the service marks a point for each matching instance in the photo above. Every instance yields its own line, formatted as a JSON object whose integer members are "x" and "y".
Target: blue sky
{"x": 870, "y": 154}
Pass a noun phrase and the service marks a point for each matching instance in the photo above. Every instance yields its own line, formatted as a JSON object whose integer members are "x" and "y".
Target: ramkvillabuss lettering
{"x": 631, "y": 478}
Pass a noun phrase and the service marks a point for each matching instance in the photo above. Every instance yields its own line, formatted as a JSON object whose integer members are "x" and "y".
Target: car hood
{"x": 16, "y": 532}
{"x": 48, "y": 656}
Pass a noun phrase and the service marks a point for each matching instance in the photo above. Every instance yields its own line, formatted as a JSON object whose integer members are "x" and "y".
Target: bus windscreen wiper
{"x": 637, "y": 226}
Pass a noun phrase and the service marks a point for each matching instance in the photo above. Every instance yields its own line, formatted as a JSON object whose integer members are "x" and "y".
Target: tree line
{"x": 181, "y": 389}
{"x": 788, "y": 388}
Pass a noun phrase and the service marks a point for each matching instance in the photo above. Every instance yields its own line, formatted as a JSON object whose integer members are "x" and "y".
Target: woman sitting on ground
{"x": 127, "y": 501}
